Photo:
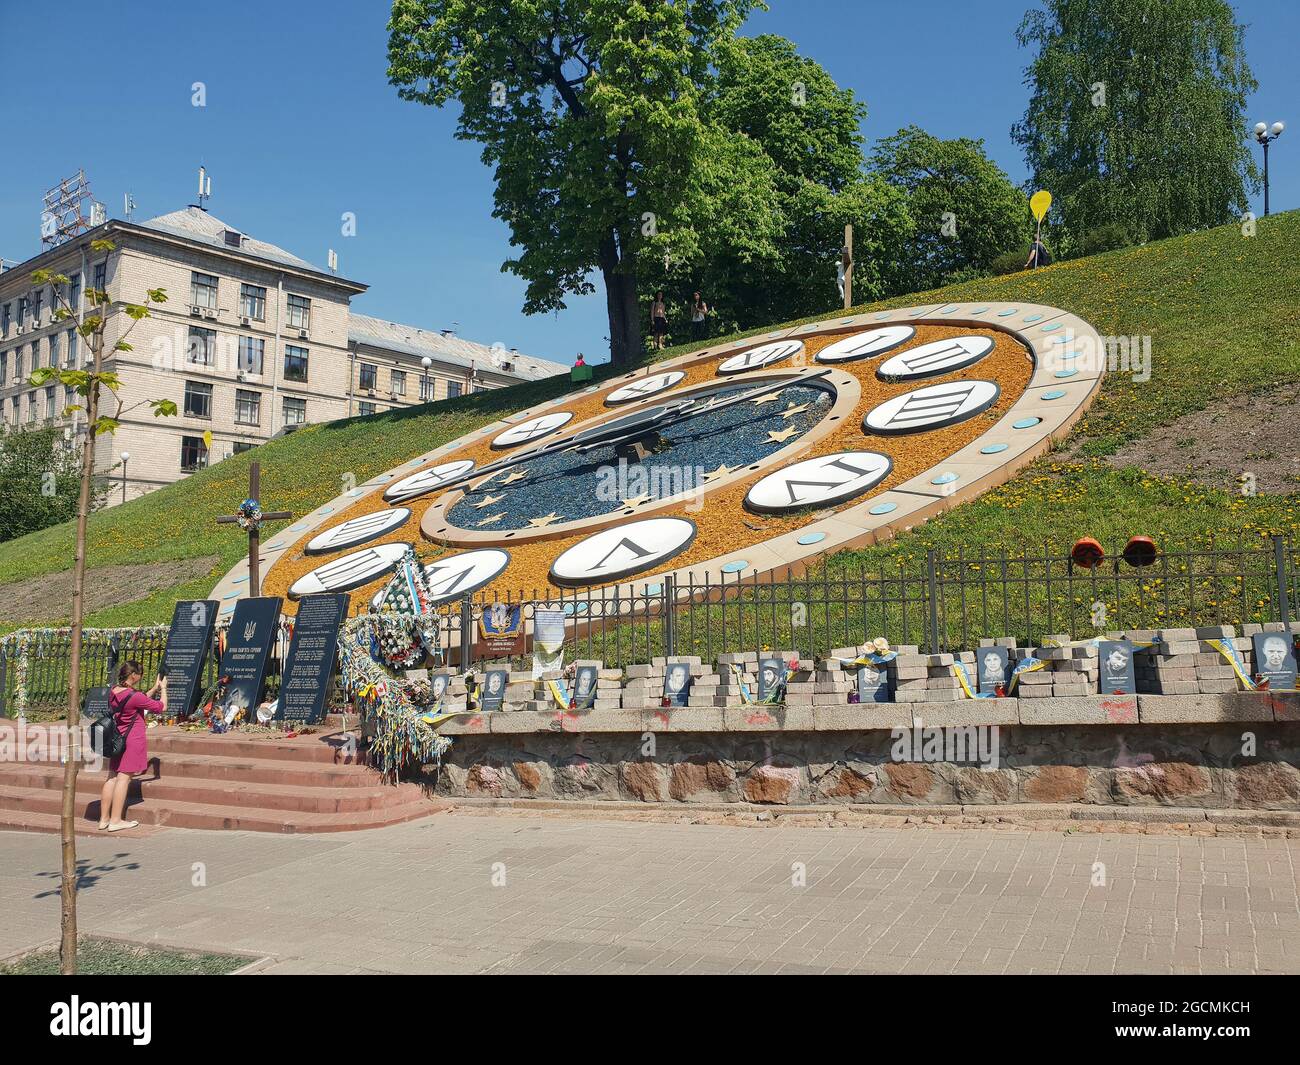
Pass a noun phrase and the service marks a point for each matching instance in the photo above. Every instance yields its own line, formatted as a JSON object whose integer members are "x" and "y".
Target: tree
{"x": 1137, "y": 114}
{"x": 93, "y": 320}
{"x": 589, "y": 115}
{"x": 964, "y": 208}
{"x": 39, "y": 481}
{"x": 806, "y": 131}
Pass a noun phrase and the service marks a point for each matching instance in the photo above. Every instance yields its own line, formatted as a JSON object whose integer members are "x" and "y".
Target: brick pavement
{"x": 621, "y": 897}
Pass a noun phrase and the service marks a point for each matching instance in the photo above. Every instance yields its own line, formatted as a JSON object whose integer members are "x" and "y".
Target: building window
{"x": 74, "y": 293}
{"x": 295, "y": 411}
{"x": 203, "y": 291}
{"x": 13, "y": 410}
{"x": 248, "y": 407}
{"x": 365, "y": 409}
{"x": 22, "y": 310}
{"x": 453, "y": 389}
{"x": 295, "y": 363}
{"x": 398, "y": 382}
{"x": 49, "y": 403}
{"x": 4, "y": 366}
{"x": 252, "y": 302}
{"x": 194, "y": 454}
{"x": 69, "y": 398}
{"x": 240, "y": 446}
{"x": 251, "y": 350}
{"x": 101, "y": 276}
{"x": 299, "y": 312}
{"x": 18, "y": 364}
{"x": 369, "y": 376}
{"x": 427, "y": 385}
{"x": 4, "y": 318}
{"x": 72, "y": 347}
{"x": 54, "y": 349}
{"x": 202, "y": 346}
{"x": 198, "y": 400}
{"x": 31, "y": 406}
{"x": 38, "y": 303}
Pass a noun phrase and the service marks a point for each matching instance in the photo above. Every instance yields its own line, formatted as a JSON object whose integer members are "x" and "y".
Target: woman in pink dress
{"x": 129, "y": 706}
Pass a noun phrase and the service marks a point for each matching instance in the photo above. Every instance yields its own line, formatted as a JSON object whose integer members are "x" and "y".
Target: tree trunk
{"x": 68, "y": 813}
{"x": 625, "y": 344}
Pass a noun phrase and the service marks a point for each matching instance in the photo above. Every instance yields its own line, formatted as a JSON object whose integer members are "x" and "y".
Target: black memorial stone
{"x": 248, "y": 650}
{"x": 1116, "y": 668}
{"x": 873, "y": 684}
{"x": 309, "y": 662}
{"x": 1275, "y": 659}
{"x": 188, "y": 640}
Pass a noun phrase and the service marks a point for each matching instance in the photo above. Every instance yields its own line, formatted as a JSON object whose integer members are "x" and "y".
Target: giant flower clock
{"x": 735, "y": 462}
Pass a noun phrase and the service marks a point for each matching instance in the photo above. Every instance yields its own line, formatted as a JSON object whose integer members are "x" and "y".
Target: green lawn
{"x": 1222, "y": 309}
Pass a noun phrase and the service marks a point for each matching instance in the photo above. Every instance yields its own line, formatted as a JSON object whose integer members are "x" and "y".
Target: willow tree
{"x": 93, "y": 320}
{"x": 592, "y": 116}
{"x": 1137, "y": 114}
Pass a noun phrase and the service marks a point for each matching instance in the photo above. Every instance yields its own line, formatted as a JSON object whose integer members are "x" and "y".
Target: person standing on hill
{"x": 659, "y": 319}
{"x": 699, "y": 317}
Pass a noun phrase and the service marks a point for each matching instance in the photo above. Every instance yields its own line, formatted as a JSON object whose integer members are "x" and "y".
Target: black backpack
{"x": 106, "y": 739}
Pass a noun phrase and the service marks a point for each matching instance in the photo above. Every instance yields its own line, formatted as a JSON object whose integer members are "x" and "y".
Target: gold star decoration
{"x": 544, "y": 520}
{"x": 721, "y": 471}
{"x": 635, "y": 501}
{"x": 792, "y": 410}
{"x": 518, "y": 475}
{"x": 771, "y": 397}
{"x": 783, "y": 435}
{"x": 493, "y": 518}
{"x": 487, "y": 502}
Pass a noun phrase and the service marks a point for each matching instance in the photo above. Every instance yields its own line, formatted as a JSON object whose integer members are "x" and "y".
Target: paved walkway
{"x": 473, "y": 893}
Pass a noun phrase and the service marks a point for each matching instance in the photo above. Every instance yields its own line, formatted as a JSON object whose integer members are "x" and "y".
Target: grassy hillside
{"x": 1222, "y": 309}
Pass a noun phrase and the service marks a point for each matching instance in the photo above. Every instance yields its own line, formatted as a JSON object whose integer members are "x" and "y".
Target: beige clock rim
{"x": 435, "y": 527}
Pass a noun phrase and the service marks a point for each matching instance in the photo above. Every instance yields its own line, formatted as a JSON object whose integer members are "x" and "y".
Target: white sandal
{"x": 123, "y": 826}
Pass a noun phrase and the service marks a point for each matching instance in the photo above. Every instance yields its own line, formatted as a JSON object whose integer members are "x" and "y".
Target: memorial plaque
{"x": 771, "y": 680}
{"x": 501, "y": 631}
{"x": 1275, "y": 659}
{"x": 188, "y": 642}
{"x": 873, "y": 684}
{"x": 994, "y": 668}
{"x": 494, "y": 689}
{"x": 438, "y": 687}
{"x": 584, "y": 687}
{"x": 677, "y": 683}
{"x": 1117, "y": 668}
{"x": 249, "y": 641}
{"x": 309, "y": 662}
{"x": 95, "y": 704}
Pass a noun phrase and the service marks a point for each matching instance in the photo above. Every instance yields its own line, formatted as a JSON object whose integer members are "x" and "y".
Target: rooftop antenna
{"x": 128, "y": 205}
{"x": 66, "y": 210}
{"x": 205, "y": 188}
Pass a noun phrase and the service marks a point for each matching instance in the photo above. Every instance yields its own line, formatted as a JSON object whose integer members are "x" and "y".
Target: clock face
{"x": 729, "y": 462}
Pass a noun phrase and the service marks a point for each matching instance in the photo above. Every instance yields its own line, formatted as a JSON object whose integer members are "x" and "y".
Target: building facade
{"x": 252, "y": 342}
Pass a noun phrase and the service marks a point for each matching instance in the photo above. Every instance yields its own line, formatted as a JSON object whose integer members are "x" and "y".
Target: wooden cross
{"x": 254, "y": 534}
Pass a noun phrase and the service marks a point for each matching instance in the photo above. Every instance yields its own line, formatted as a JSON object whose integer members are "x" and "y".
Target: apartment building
{"x": 252, "y": 342}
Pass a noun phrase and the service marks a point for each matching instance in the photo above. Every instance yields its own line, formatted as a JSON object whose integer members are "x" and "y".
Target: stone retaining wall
{"x": 1236, "y": 751}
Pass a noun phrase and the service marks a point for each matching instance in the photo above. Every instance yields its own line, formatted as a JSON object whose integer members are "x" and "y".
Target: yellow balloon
{"x": 1040, "y": 203}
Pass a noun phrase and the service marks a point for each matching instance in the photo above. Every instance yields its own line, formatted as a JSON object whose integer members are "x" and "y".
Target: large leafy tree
{"x": 806, "y": 131}
{"x": 39, "y": 481}
{"x": 1137, "y": 114}
{"x": 964, "y": 208}
{"x": 589, "y": 113}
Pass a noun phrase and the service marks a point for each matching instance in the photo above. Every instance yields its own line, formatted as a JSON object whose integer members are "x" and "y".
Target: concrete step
{"x": 321, "y": 747}
{"x": 20, "y": 807}
{"x": 364, "y": 791}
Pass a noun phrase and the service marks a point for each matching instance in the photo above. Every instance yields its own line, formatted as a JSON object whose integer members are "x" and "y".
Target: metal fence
{"x": 938, "y": 601}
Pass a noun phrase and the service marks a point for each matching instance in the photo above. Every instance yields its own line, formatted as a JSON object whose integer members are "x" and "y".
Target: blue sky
{"x": 301, "y": 126}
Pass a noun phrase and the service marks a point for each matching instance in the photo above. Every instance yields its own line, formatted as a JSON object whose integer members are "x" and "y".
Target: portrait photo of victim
{"x": 677, "y": 683}
{"x": 584, "y": 687}
{"x": 771, "y": 680}
{"x": 494, "y": 689}
{"x": 1275, "y": 659}
{"x": 1117, "y": 676}
{"x": 993, "y": 665}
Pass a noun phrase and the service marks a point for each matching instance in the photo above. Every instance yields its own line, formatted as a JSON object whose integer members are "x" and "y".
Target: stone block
{"x": 1080, "y": 710}
{"x": 1187, "y": 709}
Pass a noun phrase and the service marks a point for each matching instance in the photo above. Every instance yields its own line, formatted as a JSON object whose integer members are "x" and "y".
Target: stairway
{"x": 232, "y": 782}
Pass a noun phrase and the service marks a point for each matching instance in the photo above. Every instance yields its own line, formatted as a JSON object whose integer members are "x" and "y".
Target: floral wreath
{"x": 249, "y": 515}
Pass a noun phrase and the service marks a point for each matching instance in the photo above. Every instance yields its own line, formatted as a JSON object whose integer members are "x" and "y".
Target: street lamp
{"x": 126, "y": 455}
{"x": 426, "y": 362}
{"x": 1265, "y": 134}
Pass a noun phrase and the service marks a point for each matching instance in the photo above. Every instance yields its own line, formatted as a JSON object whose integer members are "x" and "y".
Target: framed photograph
{"x": 873, "y": 684}
{"x": 771, "y": 680}
{"x": 494, "y": 689}
{"x": 438, "y": 687}
{"x": 1117, "y": 668}
{"x": 584, "y": 687}
{"x": 677, "y": 683}
{"x": 993, "y": 666}
{"x": 1275, "y": 659}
